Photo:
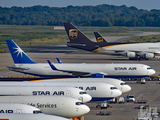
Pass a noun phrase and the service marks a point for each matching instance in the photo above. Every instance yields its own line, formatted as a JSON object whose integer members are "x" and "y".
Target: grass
{"x": 46, "y": 35}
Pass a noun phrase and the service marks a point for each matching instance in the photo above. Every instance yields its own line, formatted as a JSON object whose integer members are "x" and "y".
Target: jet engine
{"x": 148, "y": 55}
{"x": 131, "y": 54}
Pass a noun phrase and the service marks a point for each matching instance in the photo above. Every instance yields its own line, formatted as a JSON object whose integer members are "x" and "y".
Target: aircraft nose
{"x": 152, "y": 72}
{"x": 126, "y": 88}
{"x": 116, "y": 93}
{"x": 86, "y": 98}
{"x": 85, "y": 109}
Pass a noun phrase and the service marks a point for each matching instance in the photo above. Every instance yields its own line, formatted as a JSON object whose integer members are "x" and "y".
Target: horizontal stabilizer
{"x": 15, "y": 68}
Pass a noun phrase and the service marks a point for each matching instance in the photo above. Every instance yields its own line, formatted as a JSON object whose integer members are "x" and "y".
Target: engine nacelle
{"x": 131, "y": 54}
{"x": 148, "y": 55}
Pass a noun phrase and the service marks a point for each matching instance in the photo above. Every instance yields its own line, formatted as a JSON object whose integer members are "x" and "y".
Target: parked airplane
{"x": 18, "y": 108}
{"x": 45, "y": 90}
{"x": 114, "y": 70}
{"x": 99, "y": 91}
{"x": 54, "y": 105}
{"x": 24, "y": 64}
{"x": 121, "y": 85}
{"x": 80, "y": 41}
{"x": 19, "y": 116}
{"x": 99, "y": 37}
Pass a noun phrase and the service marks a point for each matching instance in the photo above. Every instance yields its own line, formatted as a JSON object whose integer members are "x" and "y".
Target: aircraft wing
{"x": 16, "y": 68}
{"x": 76, "y": 73}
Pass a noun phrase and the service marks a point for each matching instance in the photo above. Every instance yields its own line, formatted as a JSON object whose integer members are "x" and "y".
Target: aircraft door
{"x": 111, "y": 92}
{"x": 68, "y": 93}
{"x": 19, "y": 111}
{"x": 80, "y": 98}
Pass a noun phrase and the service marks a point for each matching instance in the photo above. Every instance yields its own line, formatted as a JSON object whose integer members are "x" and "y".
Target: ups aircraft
{"x": 24, "y": 64}
{"x": 132, "y": 50}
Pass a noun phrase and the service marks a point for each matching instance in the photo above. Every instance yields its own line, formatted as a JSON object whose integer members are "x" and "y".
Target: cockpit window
{"x": 123, "y": 83}
{"x": 113, "y": 88}
{"x": 149, "y": 68}
{"x": 82, "y": 93}
{"x": 79, "y": 103}
{"x": 37, "y": 112}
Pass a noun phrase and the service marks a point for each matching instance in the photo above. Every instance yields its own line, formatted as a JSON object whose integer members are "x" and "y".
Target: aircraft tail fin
{"x": 59, "y": 60}
{"x": 77, "y": 38}
{"x": 99, "y": 37}
{"x": 18, "y": 55}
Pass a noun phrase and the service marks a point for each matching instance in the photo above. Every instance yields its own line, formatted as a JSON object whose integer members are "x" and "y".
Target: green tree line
{"x": 100, "y": 15}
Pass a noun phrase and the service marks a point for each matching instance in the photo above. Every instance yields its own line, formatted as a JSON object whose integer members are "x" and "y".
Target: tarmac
{"x": 149, "y": 91}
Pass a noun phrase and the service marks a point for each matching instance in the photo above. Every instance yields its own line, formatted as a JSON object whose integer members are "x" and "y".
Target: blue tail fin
{"x": 18, "y": 55}
{"x": 59, "y": 60}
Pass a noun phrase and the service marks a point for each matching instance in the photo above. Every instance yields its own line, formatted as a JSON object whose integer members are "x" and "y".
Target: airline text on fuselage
{"x": 125, "y": 68}
{"x": 6, "y": 111}
{"x": 39, "y": 105}
{"x": 48, "y": 93}
{"x": 87, "y": 88}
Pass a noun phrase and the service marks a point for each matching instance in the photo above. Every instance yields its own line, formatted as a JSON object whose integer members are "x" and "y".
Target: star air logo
{"x": 73, "y": 33}
{"x": 100, "y": 39}
{"x": 19, "y": 51}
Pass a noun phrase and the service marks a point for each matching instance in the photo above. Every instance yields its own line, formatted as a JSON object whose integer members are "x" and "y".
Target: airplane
{"x": 45, "y": 90}
{"x": 54, "y": 105}
{"x": 97, "y": 90}
{"x": 121, "y": 85}
{"x": 24, "y": 64}
{"x": 99, "y": 37}
{"x": 18, "y": 108}
{"x": 28, "y": 116}
{"x": 128, "y": 49}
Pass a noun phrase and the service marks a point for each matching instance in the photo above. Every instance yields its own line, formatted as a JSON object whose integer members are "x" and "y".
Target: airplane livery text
{"x": 125, "y": 68}
{"x": 6, "y": 111}
{"x": 87, "y": 88}
{"x": 38, "y": 105}
{"x": 48, "y": 93}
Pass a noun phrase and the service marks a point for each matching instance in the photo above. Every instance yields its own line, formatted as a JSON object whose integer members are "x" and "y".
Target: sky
{"x": 140, "y": 4}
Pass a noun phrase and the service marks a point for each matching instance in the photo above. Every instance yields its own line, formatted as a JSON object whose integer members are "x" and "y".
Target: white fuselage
{"x": 43, "y": 69}
{"x": 139, "y": 48}
{"x": 121, "y": 85}
{"x": 16, "y": 90}
{"x": 144, "y": 47}
{"x": 25, "y": 116}
{"x": 54, "y": 105}
{"x": 18, "y": 108}
{"x": 99, "y": 91}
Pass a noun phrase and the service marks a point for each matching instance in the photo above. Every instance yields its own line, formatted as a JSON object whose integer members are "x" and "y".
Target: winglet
{"x": 51, "y": 65}
{"x": 59, "y": 60}
{"x": 99, "y": 37}
{"x": 18, "y": 55}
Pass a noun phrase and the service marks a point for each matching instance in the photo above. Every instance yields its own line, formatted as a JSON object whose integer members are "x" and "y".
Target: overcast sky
{"x": 140, "y": 4}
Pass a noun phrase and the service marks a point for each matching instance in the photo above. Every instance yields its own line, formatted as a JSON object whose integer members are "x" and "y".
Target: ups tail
{"x": 18, "y": 55}
{"x": 99, "y": 37}
{"x": 78, "y": 39}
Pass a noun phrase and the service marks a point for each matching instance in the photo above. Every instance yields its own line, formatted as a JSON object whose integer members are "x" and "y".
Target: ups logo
{"x": 73, "y": 33}
{"x": 100, "y": 39}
